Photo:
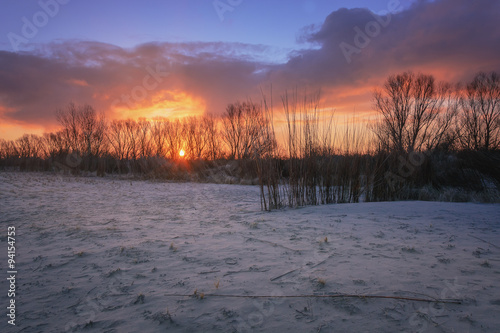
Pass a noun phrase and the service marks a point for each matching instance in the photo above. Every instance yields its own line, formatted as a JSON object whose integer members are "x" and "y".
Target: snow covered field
{"x": 105, "y": 255}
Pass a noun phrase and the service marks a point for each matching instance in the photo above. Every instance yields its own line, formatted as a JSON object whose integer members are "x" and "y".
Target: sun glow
{"x": 161, "y": 103}
{"x": 182, "y": 153}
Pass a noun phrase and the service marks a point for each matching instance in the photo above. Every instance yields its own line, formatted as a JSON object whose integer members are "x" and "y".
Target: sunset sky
{"x": 174, "y": 58}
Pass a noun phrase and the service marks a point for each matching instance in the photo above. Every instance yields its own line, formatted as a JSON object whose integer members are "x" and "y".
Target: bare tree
{"x": 92, "y": 127}
{"x": 442, "y": 133}
{"x": 479, "y": 124}
{"x": 232, "y": 128}
{"x": 243, "y": 125}
{"x": 173, "y": 131}
{"x": 159, "y": 128}
{"x": 55, "y": 144}
{"x": 144, "y": 138}
{"x": 410, "y": 105}
{"x": 9, "y": 149}
{"x": 254, "y": 133}
{"x": 30, "y": 150}
{"x": 83, "y": 130}
{"x": 3, "y": 149}
{"x": 117, "y": 139}
{"x": 30, "y": 146}
{"x": 195, "y": 137}
{"x": 68, "y": 118}
{"x": 211, "y": 128}
{"x": 131, "y": 133}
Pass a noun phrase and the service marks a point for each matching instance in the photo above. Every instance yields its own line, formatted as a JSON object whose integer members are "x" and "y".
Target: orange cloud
{"x": 450, "y": 39}
{"x": 162, "y": 103}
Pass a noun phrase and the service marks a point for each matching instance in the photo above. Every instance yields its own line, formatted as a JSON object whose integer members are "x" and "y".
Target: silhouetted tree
{"x": 479, "y": 124}
{"x": 243, "y": 126}
{"x": 131, "y": 134}
{"x": 144, "y": 138}
{"x": 159, "y": 128}
{"x": 410, "y": 106}
{"x": 68, "y": 118}
{"x": 214, "y": 149}
{"x": 117, "y": 139}
{"x": 83, "y": 130}
{"x": 174, "y": 135}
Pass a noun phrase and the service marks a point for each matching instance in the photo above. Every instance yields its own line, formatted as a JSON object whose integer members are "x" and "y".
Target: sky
{"x": 132, "y": 59}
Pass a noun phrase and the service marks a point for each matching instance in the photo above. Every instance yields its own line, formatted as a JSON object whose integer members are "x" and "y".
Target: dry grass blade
{"x": 428, "y": 300}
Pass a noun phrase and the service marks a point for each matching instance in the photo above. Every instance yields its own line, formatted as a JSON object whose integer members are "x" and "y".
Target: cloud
{"x": 457, "y": 37}
{"x": 34, "y": 85}
{"x": 452, "y": 39}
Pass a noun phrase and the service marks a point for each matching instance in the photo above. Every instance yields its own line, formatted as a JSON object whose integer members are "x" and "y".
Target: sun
{"x": 182, "y": 153}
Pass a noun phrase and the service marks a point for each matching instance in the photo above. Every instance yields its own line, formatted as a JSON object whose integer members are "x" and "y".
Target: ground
{"x": 110, "y": 255}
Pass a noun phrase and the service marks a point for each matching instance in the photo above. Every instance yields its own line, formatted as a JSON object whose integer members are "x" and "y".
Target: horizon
{"x": 174, "y": 60}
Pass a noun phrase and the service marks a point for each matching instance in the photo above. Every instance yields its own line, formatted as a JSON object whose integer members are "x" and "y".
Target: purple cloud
{"x": 451, "y": 39}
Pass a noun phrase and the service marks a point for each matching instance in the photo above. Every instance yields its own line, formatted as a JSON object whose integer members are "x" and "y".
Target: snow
{"x": 106, "y": 255}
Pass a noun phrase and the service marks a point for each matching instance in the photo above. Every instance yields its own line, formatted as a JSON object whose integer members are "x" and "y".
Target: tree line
{"x": 419, "y": 114}
{"x": 431, "y": 141}
{"x": 120, "y": 145}
{"x": 318, "y": 161}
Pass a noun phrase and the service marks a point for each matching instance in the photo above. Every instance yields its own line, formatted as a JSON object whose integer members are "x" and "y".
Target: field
{"x": 118, "y": 255}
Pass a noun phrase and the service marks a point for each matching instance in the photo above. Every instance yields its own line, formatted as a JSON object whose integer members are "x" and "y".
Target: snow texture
{"x": 103, "y": 255}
